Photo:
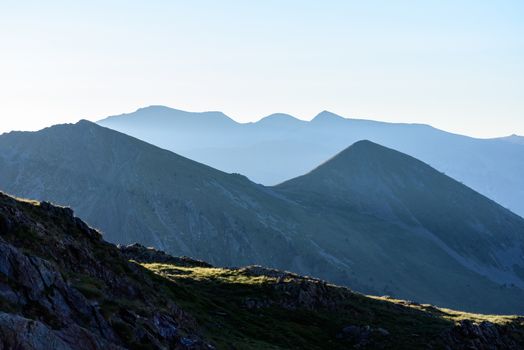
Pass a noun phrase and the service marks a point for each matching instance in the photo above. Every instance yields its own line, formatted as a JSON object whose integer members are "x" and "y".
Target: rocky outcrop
{"x": 296, "y": 291}
{"x": 36, "y": 287}
{"x": 63, "y": 287}
{"x": 468, "y": 335}
{"x": 17, "y": 332}
{"x": 143, "y": 254}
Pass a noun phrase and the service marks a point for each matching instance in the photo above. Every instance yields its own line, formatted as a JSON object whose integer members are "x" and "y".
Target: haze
{"x": 456, "y": 66}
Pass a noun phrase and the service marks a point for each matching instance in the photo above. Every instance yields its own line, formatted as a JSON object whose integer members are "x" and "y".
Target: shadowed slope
{"x": 62, "y": 287}
{"x": 378, "y": 243}
{"x": 137, "y": 192}
{"x": 387, "y": 186}
{"x": 370, "y": 178}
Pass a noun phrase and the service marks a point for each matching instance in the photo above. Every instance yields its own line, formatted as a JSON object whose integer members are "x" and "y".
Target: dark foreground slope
{"x": 372, "y": 219}
{"x": 63, "y": 287}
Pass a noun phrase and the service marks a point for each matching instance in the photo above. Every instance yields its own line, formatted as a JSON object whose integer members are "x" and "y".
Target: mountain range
{"x": 370, "y": 218}
{"x": 280, "y": 147}
{"x": 513, "y": 139}
{"x": 63, "y": 287}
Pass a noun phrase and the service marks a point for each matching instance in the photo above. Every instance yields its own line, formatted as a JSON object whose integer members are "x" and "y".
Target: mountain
{"x": 391, "y": 186}
{"x": 137, "y": 192}
{"x": 513, "y": 139}
{"x": 371, "y": 218}
{"x": 62, "y": 287}
{"x": 493, "y": 167}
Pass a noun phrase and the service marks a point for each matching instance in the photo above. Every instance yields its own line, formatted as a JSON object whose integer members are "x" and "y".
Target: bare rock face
{"x": 33, "y": 282}
{"x": 481, "y": 336}
{"x": 63, "y": 287}
{"x": 297, "y": 291}
{"x": 21, "y": 333}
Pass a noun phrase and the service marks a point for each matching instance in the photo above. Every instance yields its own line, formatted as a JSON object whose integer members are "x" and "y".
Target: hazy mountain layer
{"x": 513, "y": 139}
{"x": 280, "y": 147}
{"x": 370, "y": 218}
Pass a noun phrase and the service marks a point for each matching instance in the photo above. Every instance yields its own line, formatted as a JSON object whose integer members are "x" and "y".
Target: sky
{"x": 457, "y": 65}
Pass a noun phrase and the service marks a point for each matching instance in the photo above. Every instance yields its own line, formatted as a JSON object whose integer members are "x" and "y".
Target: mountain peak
{"x": 513, "y": 138}
{"x": 160, "y": 115}
{"x": 326, "y": 116}
{"x": 156, "y": 108}
{"x": 363, "y": 162}
{"x": 368, "y": 151}
{"x": 279, "y": 118}
{"x": 85, "y": 123}
{"x": 365, "y": 144}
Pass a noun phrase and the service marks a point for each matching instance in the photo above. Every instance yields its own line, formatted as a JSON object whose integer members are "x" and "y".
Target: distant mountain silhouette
{"x": 513, "y": 139}
{"x": 292, "y": 147}
{"x": 370, "y": 218}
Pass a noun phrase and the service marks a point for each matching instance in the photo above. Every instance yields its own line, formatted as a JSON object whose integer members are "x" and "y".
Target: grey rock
{"x": 17, "y": 332}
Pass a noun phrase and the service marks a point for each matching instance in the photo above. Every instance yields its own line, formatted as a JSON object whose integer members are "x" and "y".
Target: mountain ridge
{"x": 490, "y": 166}
{"x": 345, "y": 179}
{"x": 136, "y": 192}
{"x": 277, "y": 115}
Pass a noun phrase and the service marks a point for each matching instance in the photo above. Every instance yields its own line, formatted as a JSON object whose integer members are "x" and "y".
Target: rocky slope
{"x": 63, "y": 287}
{"x": 351, "y": 222}
{"x": 493, "y": 167}
{"x": 260, "y": 308}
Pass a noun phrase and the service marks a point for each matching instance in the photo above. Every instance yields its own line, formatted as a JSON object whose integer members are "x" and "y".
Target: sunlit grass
{"x": 207, "y": 274}
{"x": 452, "y": 315}
{"x": 28, "y": 201}
{"x": 239, "y": 276}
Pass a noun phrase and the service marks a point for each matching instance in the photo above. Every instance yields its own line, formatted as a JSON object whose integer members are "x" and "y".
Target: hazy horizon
{"x": 241, "y": 121}
{"x": 456, "y": 66}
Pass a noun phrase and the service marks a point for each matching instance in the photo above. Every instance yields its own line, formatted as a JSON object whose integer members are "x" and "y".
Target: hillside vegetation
{"x": 257, "y": 308}
{"x": 63, "y": 287}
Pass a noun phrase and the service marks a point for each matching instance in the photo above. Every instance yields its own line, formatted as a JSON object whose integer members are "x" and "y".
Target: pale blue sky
{"x": 457, "y": 65}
